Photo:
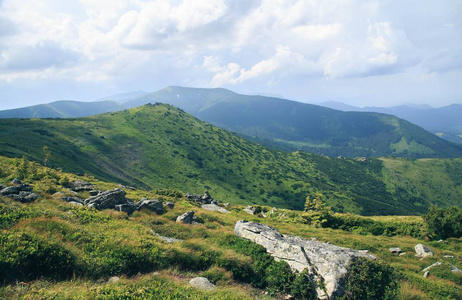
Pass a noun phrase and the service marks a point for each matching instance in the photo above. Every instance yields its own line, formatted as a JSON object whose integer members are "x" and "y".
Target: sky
{"x": 359, "y": 52}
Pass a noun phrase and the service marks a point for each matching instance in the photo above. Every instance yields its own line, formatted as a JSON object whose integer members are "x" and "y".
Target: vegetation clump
{"x": 444, "y": 222}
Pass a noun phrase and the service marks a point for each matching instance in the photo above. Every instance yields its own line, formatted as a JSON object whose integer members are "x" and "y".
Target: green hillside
{"x": 293, "y": 125}
{"x": 62, "y": 109}
{"x": 157, "y": 146}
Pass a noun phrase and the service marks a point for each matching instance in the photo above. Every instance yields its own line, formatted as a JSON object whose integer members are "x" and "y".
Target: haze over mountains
{"x": 275, "y": 122}
{"x": 446, "y": 121}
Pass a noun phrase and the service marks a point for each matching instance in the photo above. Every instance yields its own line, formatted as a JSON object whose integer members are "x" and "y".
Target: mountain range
{"x": 277, "y": 122}
{"x": 445, "y": 122}
{"x": 159, "y": 146}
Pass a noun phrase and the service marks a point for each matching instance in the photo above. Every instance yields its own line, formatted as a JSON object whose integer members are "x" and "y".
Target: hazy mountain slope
{"x": 445, "y": 121}
{"x": 161, "y": 146}
{"x": 309, "y": 127}
{"x": 62, "y": 109}
{"x": 124, "y": 97}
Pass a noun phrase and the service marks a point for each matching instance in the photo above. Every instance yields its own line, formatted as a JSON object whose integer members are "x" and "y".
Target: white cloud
{"x": 236, "y": 43}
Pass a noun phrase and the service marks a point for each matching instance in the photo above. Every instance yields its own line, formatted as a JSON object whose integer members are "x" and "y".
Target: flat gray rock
{"x": 214, "y": 207}
{"x": 324, "y": 261}
{"x": 202, "y": 283}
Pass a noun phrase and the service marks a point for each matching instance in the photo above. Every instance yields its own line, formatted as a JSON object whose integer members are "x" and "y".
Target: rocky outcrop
{"x": 214, "y": 207}
{"x": 152, "y": 205}
{"x": 324, "y": 261}
{"x": 107, "y": 199}
{"x": 80, "y": 185}
{"x": 202, "y": 283}
{"x": 19, "y": 192}
{"x": 395, "y": 250}
{"x": 423, "y": 251}
{"x": 189, "y": 218}
{"x": 204, "y": 199}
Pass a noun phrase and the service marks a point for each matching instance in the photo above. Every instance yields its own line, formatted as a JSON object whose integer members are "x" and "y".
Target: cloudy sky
{"x": 355, "y": 51}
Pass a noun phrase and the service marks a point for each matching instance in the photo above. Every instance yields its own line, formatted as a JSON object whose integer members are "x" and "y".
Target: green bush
{"x": 444, "y": 222}
{"x": 369, "y": 279}
{"x": 26, "y": 257}
{"x": 303, "y": 287}
{"x": 279, "y": 277}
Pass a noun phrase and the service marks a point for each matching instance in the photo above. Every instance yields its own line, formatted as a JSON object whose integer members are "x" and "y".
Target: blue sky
{"x": 359, "y": 52}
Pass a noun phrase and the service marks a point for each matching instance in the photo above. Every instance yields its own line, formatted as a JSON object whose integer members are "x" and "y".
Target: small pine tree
{"x": 22, "y": 168}
{"x": 47, "y": 155}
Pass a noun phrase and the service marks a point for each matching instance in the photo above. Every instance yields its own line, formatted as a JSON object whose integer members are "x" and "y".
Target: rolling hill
{"x": 444, "y": 121}
{"x": 293, "y": 125}
{"x": 62, "y": 109}
{"x": 276, "y": 122}
{"x": 159, "y": 146}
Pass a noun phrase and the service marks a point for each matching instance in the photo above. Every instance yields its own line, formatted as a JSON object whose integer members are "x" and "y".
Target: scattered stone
{"x": 127, "y": 187}
{"x": 2, "y": 186}
{"x": 113, "y": 279}
{"x": 73, "y": 199}
{"x": 168, "y": 239}
{"x": 325, "y": 262}
{"x": 16, "y": 181}
{"x": 73, "y": 203}
{"x": 186, "y": 218}
{"x": 448, "y": 256}
{"x": 170, "y": 205}
{"x": 202, "y": 283}
{"x": 250, "y": 210}
{"x": 438, "y": 263}
{"x": 14, "y": 190}
{"x": 129, "y": 207}
{"x": 454, "y": 269}
{"x": 426, "y": 274}
{"x": 24, "y": 197}
{"x": 214, "y": 207}
{"x": 226, "y": 204}
{"x": 152, "y": 205}
{"x": 289, "y": 297}
{"x": 94, "y": 192}
{"x": 204, "y": 199}
{"x": 395, "y": 250}
{"x": 402, "y": 253}
{"x": 80, "y": 185}
{"x": 423, "y": 251}
{"x": 107, "y": 199}
{"x": 58, "y": 195}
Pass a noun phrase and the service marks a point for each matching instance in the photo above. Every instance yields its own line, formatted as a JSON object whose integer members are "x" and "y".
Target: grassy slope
{"x": 161, "y": 146}
{"x": 309, "y": 127}
{"x": 105, "y": 243}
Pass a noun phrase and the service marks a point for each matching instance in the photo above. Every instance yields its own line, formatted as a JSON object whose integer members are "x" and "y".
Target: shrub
{"x": 26, "y": 257}
{"x": 302, "y": 286}
{"x": 279, "y": 277}
{"x": 444, "y": 222}
{"x": 369, "y": 279}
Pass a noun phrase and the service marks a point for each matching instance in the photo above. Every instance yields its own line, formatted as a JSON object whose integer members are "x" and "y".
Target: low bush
{"x": 369, "y": 279}
{"x": 444, "y": 222}
{"x": 26, "y": 257}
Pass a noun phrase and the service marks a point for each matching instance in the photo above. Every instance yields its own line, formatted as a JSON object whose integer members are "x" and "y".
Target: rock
{"x": 226, "y": 204}
{"x": 80, "y": 185}
{"x": 2, "y": 186}
{"x": 16, "y": 181}
{"x": 250, "y": 210}
{"x": 454, "y": 269}
{"x": 129, "y": 207}
{"x": 152, "y": 205}
{"x": 14, "y": 190}
{"x": 448, "y": 256}
{"x": 289, "y": 297}
{"x": 423, "y": 251}
{"x": 402, "y": 253}
{"x": 431, "y": 266}
{"x": 113, "y": 279}
{"x": 170, "y": 205}
{"x": 73, "y": 203}
{"x": 168, "y": 239}
{"x": 186, "y": 218}
{"x": 73, "y": 199}
{"x": 107, "y": 199}
{"x": 426, "y": 274}
{"x": 24, "y": 197}
{"x": 204, "y": 199}
{"x": 94, "y": 192}
{"x": 202, "y": 283}
{"x": 325, "y": 262}
{"x": 214, "y": 207}
{"x": 395, "y": 250}
{"x": 128, "y": 187}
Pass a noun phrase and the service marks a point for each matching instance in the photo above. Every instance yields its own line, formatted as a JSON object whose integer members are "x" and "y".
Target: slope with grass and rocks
{"x": 51, "y": 247}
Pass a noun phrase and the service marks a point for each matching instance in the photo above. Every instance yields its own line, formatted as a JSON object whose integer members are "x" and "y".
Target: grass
{"x": 78, "y": 249}
{"x": 159, "y": 146}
